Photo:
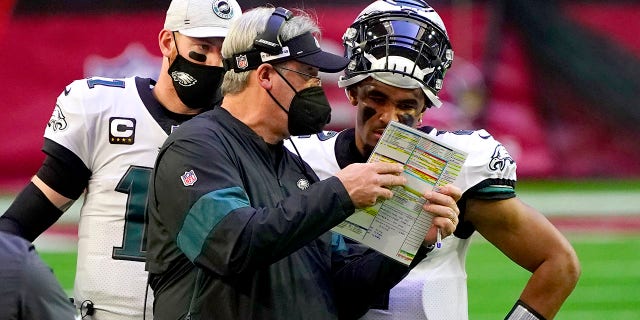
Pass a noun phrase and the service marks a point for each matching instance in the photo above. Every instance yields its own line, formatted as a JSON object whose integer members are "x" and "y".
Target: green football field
{"x": 609, "y": 287}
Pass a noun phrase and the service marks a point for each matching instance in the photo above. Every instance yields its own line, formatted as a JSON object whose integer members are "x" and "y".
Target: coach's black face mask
{"x": 197, "y": 85}
{"x": 309, "y": 111}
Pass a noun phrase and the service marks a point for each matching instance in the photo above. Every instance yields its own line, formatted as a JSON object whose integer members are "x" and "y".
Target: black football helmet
{"x": 402, "y": 43}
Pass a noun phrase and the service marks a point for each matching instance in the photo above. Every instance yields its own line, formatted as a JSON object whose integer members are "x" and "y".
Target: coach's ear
{"x": 263, "y": 75}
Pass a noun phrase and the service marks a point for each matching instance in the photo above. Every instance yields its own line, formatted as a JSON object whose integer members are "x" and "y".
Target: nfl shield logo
{"x": 242, "y": 62}
{"x": 189, "y": 178}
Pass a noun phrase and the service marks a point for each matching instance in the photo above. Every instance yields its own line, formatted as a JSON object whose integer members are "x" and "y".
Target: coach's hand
{"x": 368, "y": 182}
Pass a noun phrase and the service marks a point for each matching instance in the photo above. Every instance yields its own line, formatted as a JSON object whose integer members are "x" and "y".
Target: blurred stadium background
{"x": 557, "y": 82}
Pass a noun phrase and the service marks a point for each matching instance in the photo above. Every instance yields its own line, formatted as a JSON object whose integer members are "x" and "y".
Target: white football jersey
{"x": 106, "y": 124}
{"x": 436, "y": 289}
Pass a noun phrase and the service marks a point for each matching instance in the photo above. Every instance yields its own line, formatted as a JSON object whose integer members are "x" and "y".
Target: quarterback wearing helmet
{"x": 400, "y": 52}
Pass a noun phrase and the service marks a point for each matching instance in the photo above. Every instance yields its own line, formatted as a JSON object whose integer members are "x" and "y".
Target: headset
{"x": 269, "y": 40}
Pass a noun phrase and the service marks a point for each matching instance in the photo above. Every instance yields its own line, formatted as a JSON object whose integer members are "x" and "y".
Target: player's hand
{"x": 369, "y": 182}
{"x": 443, "y": 206}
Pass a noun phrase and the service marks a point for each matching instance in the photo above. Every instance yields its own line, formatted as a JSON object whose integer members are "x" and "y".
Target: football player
{"x": 400, "y": 52}
{"x": 102, "y": 140}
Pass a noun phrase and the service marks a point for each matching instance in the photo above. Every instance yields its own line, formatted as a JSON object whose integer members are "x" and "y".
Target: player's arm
{"x": 60, "y": 180}
{"x": 525, "y": 236}
{"x": 59, "y": 201}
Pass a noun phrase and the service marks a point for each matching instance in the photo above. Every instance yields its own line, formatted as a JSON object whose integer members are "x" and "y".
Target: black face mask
{"x": 309, "y": 111}
{"x": 198, "y": 86}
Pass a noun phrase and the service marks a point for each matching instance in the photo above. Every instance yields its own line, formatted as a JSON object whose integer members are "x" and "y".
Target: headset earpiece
{"x": 269, "y": 40}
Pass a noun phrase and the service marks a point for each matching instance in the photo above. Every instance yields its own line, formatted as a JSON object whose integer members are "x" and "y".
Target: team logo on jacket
{"x": 183, "y": 78}
{"x": 122, "y": 130}
{"x": 303, "y": 184}
{"x": 188, "y": 178}
{"x": 500, "y": 158}
{"x": 57, "y": 121}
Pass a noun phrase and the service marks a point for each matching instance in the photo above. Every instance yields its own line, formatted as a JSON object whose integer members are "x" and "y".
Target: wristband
{"x": 521, "y": 311}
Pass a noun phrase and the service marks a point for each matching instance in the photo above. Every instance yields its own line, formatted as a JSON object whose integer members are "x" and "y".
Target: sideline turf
{"x": 63, "y": 265}
{"x": 609, "y": 287}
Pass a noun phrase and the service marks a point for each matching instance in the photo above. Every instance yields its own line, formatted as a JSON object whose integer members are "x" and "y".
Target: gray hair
{"x": 244, "y": 31}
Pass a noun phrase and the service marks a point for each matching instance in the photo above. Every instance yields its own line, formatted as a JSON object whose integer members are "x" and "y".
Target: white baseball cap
{"x": 202, "y": 18}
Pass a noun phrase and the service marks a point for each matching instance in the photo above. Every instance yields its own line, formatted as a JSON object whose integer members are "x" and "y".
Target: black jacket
{"x": 239, "y": 229}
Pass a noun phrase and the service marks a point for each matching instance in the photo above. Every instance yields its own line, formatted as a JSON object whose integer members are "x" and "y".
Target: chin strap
{"x": 521, "y": 311}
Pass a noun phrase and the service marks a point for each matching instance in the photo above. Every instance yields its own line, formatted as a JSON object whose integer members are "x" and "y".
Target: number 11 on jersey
{"x": 135, "y": 184}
